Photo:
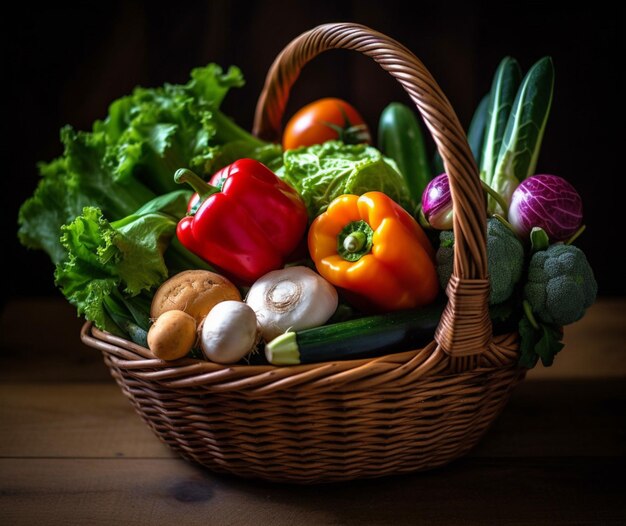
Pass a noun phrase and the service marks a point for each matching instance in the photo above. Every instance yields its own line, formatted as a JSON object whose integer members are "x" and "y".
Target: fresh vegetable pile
{"x": 322, "y": 248}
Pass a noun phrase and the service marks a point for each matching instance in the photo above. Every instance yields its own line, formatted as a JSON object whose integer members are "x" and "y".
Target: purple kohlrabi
{"x": 437, "y": 203}
{"x": 548, "y": 202}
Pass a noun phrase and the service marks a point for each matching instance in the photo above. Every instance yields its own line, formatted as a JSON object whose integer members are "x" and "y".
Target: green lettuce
{"x": 101, "y": 266}
{"x": 111, "y": 267}
{"x": 70, "y": 183}
{"x": 323, "y": 172}
{"x": 154, "y": 132}
{"x": 131, "y": 156}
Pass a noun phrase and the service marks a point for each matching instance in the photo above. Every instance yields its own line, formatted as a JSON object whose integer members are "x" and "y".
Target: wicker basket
{"x": 348, "y": 419}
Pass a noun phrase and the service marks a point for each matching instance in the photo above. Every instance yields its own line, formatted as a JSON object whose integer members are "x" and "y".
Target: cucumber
{"x": 361, "y": 338}
{"x": 373, "y": 335}
{"x": 400, "y": 137}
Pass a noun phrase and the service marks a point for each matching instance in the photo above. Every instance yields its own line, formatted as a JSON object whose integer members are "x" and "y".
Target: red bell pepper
{"x": 247, "y": 227}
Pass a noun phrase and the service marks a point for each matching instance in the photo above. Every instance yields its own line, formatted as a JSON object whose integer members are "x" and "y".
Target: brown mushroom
{"x": 195, "y": 292}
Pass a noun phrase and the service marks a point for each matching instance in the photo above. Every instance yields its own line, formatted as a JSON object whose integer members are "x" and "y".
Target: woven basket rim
{"x": 401, "y": 368}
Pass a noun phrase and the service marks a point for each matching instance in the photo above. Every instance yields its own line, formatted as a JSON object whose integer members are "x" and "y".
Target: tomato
{"x": 325, "y": 120}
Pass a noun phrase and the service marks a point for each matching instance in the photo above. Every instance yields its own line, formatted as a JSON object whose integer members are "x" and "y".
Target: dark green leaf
{"x": 528, "y": 341}
{"x": 70, "y": 183}
{"x": 173, "y": 204}
{"x": 549, "y": 344}
{"x": 215, "y": 159}
{"x": 542, "y": 342}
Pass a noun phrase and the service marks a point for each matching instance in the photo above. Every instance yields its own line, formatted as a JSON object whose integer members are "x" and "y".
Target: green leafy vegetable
{"x": 110, "y": 268}
{"x": 102, "y": 262}
{"x": 323, "y": 172}
{"x": 131, "y": 156}
{"x": 76, "y": 180}
{"x": 155, "y": 131}
{"x": 540, "y": 341}
{"x": 501, "y": 98}
{"x": 521, "y": 143}
{"x": 215, "y": 159}
{"x": 172, "y": 203}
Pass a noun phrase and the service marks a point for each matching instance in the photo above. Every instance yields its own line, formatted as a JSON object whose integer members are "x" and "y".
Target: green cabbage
{"x": 323, "y": 172}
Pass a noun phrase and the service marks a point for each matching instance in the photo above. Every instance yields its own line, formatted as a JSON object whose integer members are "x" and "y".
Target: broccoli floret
{"x": 561, "y": 285}
{"x": 505, "y": 260}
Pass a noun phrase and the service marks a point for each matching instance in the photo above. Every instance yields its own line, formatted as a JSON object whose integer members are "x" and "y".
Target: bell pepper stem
{"x": 355, "y": 241}
{"x": 204, "y": 189}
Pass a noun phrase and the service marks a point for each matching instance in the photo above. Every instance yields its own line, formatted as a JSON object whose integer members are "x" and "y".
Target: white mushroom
{"x": 293, "y": 298}
{"x": 229, "y": 332}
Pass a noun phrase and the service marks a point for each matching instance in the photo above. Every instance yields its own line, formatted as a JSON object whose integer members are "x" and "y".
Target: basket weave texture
{"x": 348, "y": 419}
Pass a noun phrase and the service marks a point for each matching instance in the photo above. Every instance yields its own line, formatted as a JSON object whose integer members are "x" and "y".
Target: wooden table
{"x": 72, "y": 451}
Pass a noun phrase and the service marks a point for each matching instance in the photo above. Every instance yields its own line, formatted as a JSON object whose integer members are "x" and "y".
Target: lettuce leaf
{"x": 102, "y": 261}
{"x": 154, "y": 132}
{"x": 131, "y": 156}
{"x": 323, "y": 172}
{"x": 76, "y": 180}
{"x": 112, "y": 268}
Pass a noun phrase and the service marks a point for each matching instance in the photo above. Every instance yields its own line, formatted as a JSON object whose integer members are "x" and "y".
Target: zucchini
{"x": 400, "y": 137}
{"x": 360, "y": 338}
{"x": 373, "y": 336}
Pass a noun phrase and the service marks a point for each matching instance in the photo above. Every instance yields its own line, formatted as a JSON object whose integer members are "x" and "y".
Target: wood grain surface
{"x": 72, "y": 451}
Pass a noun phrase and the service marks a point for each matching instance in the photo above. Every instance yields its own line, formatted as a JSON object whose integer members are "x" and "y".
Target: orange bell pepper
{"x": 374, "y": 250}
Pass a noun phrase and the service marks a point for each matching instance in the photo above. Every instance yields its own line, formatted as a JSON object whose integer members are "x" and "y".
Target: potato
{"x": 195, "y": 292}
{"x": 172, "y": 335}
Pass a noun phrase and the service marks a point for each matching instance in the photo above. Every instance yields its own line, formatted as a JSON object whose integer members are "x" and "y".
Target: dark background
{"x": 65, "y": 64}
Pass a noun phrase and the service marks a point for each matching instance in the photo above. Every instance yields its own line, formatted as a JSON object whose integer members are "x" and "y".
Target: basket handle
{"x": 465, "y": 327}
